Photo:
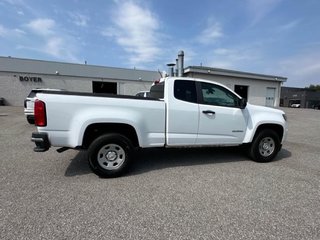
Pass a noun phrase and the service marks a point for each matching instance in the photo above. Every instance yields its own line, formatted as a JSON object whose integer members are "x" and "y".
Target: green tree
{"x": 314, "y": 87}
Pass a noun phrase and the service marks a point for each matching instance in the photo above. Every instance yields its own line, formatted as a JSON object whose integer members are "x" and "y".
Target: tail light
{"x": 40, "y": 116}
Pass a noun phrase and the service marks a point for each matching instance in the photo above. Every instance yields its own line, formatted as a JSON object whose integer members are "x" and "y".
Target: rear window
{"x": 185, "y": 91}
{"x": 157, "y": 91}
{"x": 32, "y": 94}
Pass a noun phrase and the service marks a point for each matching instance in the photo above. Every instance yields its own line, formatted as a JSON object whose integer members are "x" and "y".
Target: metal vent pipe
{"x": 176, "y": 68}
{"x": 180, "y": 63}
{"x": 170, "y": 69}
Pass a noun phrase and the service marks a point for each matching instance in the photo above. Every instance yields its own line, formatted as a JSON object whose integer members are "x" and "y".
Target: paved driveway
{"x": 169, "y": 194}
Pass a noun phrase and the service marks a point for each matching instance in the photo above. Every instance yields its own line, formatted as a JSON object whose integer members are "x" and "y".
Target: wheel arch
{"x": 278, "y": 129}
{"x": 95, "y": 130}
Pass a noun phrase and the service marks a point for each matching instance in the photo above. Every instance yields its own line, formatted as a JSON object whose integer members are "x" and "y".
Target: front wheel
{"x": 109, "y": 155}
{"x": 265, "y": 146}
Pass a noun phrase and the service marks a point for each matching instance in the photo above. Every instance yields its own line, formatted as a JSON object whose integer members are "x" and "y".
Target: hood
{"x": 263, "y": 109}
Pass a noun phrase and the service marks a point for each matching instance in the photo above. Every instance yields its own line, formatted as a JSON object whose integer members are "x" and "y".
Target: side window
{"x": 185, "y": 91}
{"x": 157, "y": 91}
{"x": 216, "y": 95}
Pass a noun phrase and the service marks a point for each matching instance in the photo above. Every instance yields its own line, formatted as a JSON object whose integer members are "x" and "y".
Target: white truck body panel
{"x": 157, "y": 123}
{"x": 258, "y": 115}
{"x": 69, "y": 116}
{"x": 226, "y": 127}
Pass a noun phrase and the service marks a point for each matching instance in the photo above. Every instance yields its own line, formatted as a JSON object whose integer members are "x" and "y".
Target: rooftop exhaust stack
{"x": 170, "y": 69}
{"x": 180, "y": 63}
{"x": 176, "y": 68}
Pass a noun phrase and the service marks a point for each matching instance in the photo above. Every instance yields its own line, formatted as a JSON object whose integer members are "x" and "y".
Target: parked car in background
{"x": 143, "y": 94}
{"x": 316, "y": 106}
{"x": 295, "y": 105}
{"x": 2, "y": 101}
{"x": 29, "y": 103}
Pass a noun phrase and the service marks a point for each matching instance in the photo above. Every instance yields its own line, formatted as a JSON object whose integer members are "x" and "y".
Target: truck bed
{"x": 105, "y": 95}
{"x": 69, "y": 114}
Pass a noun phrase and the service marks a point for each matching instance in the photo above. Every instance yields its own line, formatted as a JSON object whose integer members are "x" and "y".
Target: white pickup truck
{"x": 180, "y": 112}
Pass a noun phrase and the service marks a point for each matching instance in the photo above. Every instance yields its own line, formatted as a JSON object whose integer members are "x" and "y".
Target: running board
{"x": 60, "y": 150}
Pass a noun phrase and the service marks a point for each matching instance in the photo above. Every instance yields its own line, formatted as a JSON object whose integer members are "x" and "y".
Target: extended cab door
{"x": 182, "y": 113}
{"x": 221, "y": 121}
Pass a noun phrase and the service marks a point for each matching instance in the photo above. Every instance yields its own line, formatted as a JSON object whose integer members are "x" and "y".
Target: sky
{"x": 274, "y": 37}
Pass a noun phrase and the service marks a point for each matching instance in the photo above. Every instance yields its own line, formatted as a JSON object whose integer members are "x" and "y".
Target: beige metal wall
{"x": 15, "y": 91}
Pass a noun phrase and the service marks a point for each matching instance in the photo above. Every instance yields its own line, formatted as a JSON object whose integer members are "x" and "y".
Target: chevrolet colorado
{"x": 180, "y": 112}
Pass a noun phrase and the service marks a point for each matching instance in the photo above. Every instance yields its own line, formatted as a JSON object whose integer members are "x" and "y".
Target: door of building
{"x": 270, "y": 97}
{"x": 242, "y": 91}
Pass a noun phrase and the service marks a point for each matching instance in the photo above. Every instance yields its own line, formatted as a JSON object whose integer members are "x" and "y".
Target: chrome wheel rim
{"x": 266, "y": 146}
{"x": 111, "y": 156}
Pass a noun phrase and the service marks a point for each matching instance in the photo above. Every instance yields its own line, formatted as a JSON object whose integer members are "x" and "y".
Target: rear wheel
{"x": 109, "y": 155}
{"x": 265, "y": 146}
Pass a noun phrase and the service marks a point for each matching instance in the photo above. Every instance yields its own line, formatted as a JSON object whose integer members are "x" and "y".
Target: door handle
{"x": 208, "y": 112}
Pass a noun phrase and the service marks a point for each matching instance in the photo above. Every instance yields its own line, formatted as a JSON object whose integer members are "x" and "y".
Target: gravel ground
{"x": 169, "y": 194}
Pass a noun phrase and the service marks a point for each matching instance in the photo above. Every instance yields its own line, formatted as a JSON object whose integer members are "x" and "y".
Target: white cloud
{"x": 54, "y": 46}
{"x": 302, "y": 69}
{"x": 42, "y": 26}
{"x": 259, "y": 9}
{"x": 290, "y": 25}
{"x": 233, "y": 57}
{"x": 18, "y": 31}
{"x": 79, "y": 19}
{"x": 52, "y": 40}
{"x": 211, "y": 33}
{"x": 109, "y": 32}
{"x": 135, "y": 29}
{"x": 14, "y": 2}
{"x": 22, "y": 4}
{"x": 7, "y": 33}
{"x": 3, "y": 31}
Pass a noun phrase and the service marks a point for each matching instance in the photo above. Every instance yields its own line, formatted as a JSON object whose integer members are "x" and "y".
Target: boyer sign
{"x": 30, "y": 79}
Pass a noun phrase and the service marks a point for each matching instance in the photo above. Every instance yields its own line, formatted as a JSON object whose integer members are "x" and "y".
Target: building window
{"x": 104, "y": 87}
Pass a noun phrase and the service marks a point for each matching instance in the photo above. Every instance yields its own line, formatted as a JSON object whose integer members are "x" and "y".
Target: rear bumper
{"x": 28, "y": 111}
{"x": 30, "y": 117}
{"x": 41, "y": 140}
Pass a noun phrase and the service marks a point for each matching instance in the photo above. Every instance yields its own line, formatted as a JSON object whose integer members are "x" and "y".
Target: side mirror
{"x": 243, "y": 103}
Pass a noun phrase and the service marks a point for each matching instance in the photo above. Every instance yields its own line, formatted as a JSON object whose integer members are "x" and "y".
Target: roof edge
{"x": 72, "y": 63}
{"x": 233, "y": 73}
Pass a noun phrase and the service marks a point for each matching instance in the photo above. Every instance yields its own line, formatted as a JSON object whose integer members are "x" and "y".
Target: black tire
{"x": 265, "y": 146}
{"x": 109, "y": 155}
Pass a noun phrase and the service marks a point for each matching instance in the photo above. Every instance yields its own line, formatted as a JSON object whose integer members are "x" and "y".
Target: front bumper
{"x": 41, "y": 140}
